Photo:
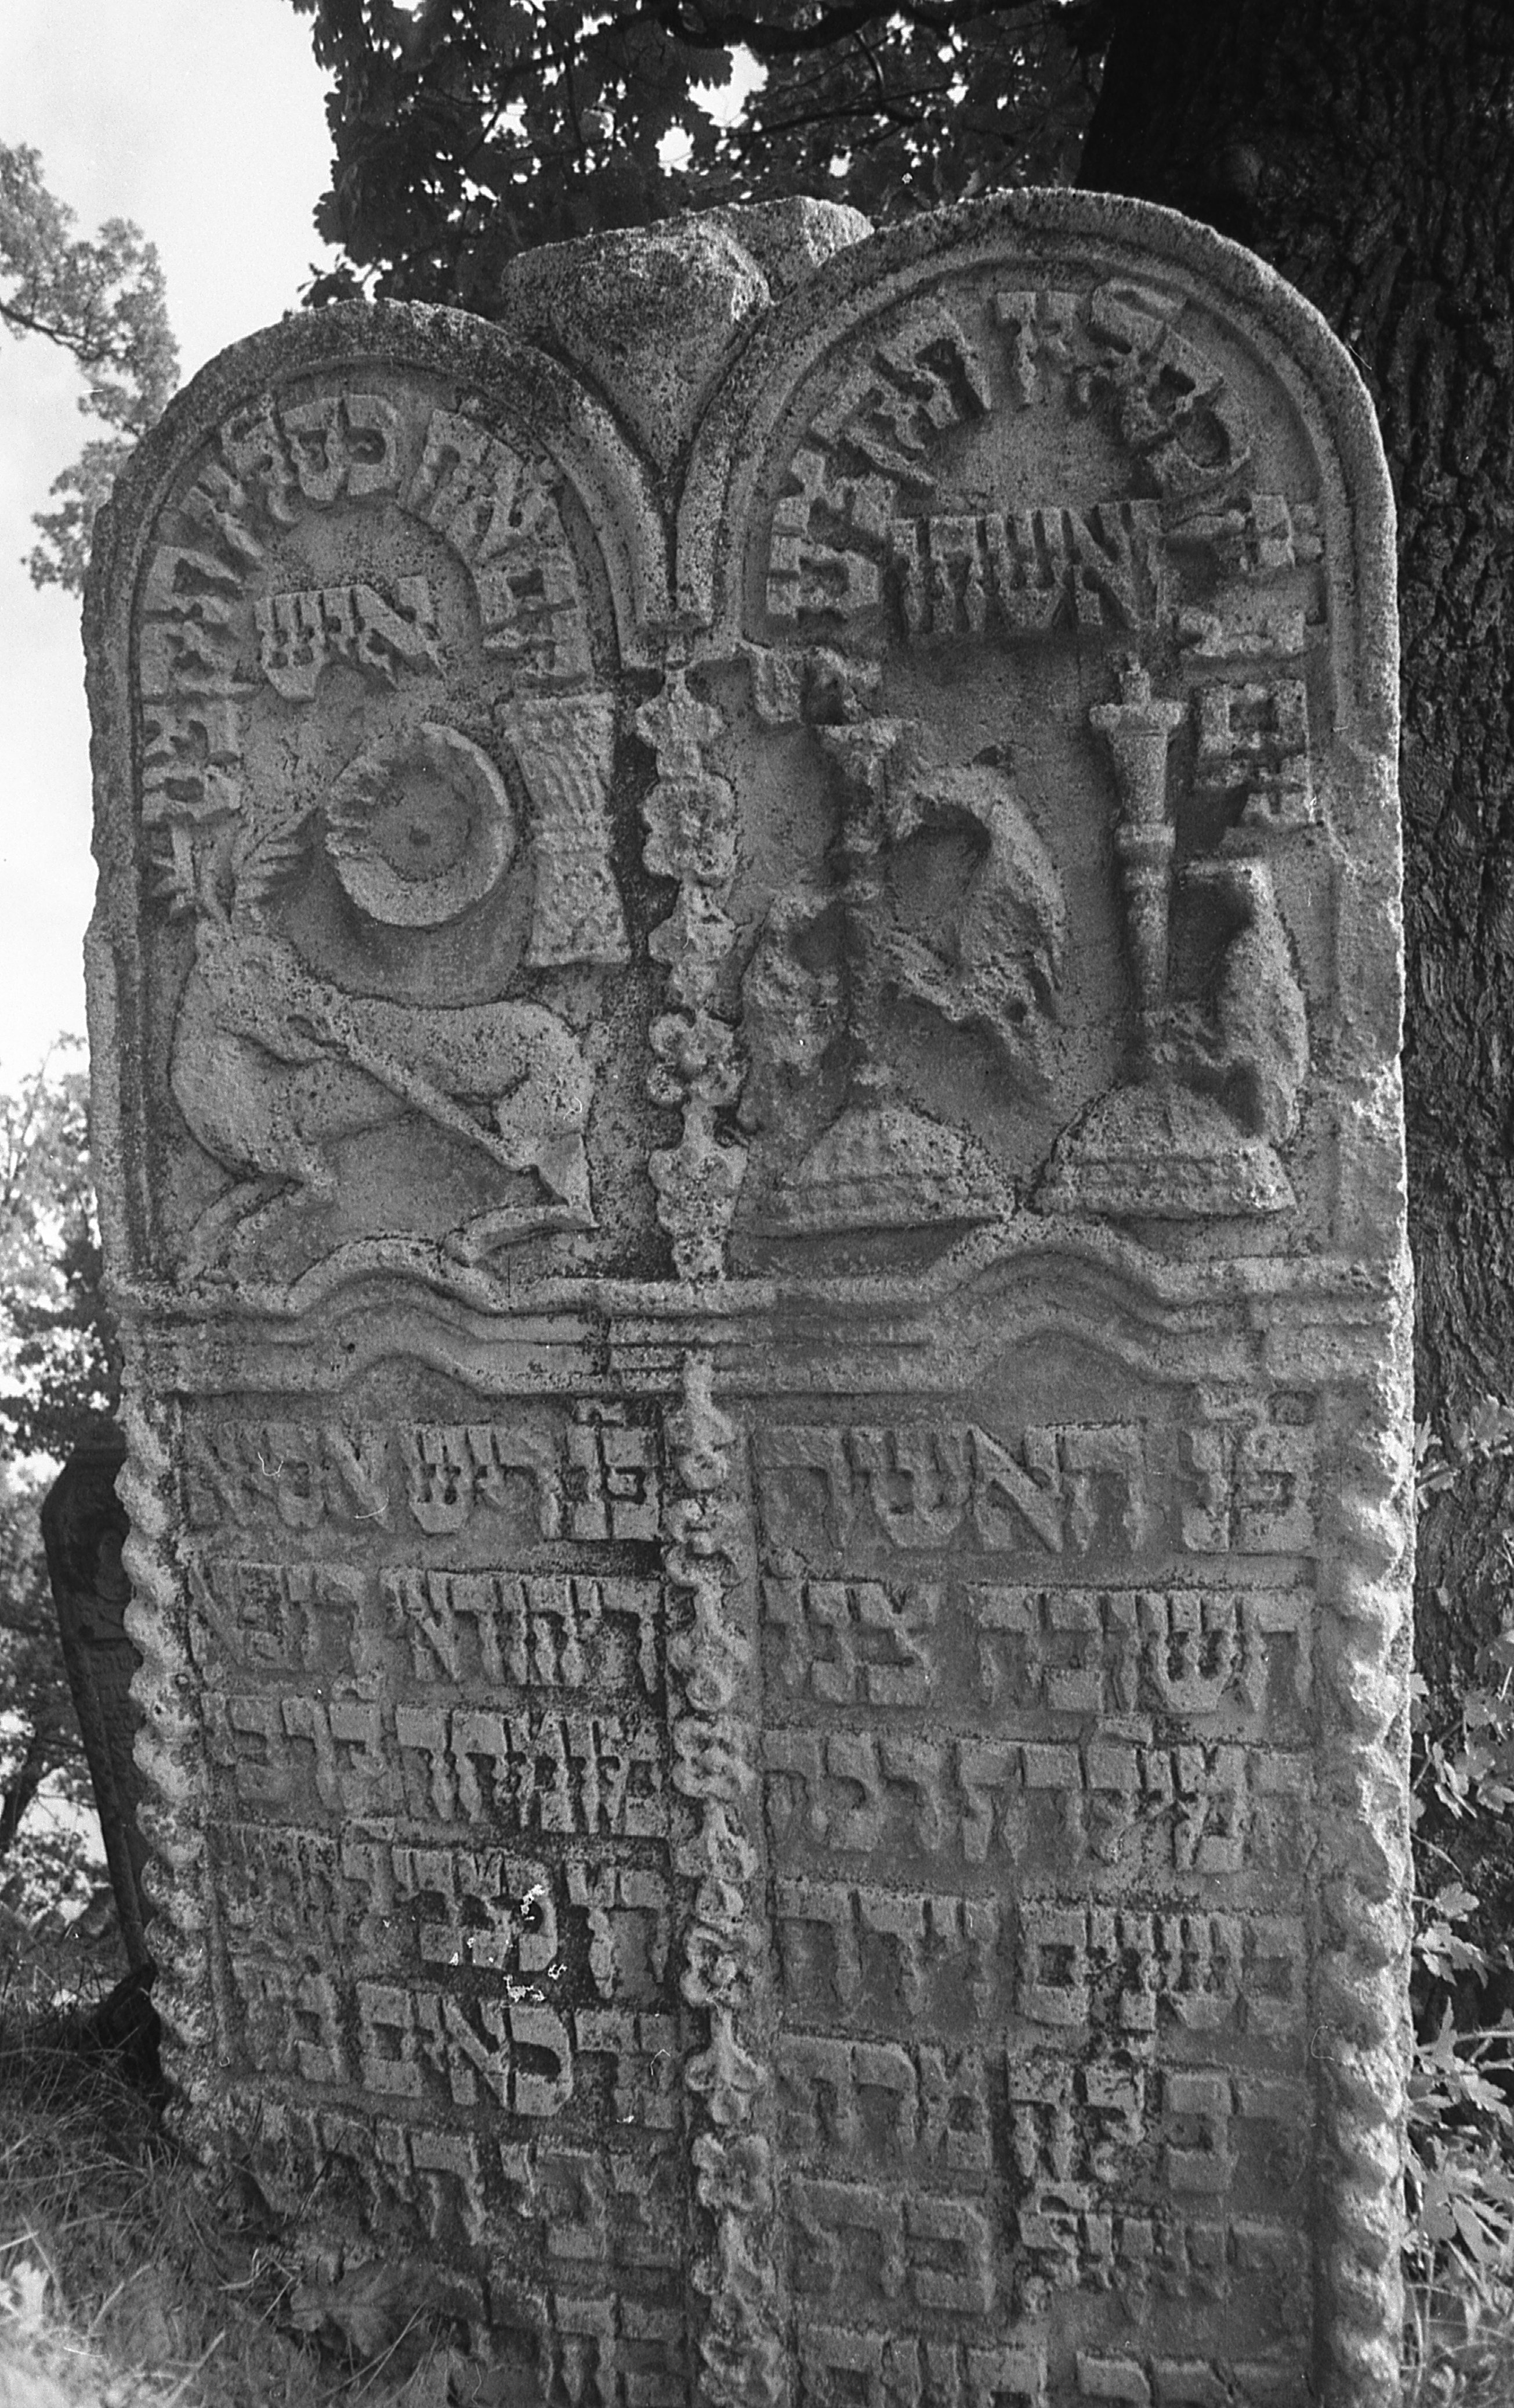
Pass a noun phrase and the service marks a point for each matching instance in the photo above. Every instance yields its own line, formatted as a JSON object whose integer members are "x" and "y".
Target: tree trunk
{"x": 1366, "y": 149}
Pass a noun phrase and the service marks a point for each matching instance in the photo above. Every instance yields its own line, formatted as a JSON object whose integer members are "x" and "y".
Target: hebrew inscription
{"x": 749, "y": 1147}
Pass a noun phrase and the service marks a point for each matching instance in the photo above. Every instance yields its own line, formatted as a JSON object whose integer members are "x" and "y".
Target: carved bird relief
{"x": 945, "y": 897}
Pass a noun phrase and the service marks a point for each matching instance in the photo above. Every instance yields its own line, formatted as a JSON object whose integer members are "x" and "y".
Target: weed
{"x": 127, "y": 2283}
{"x": 1460, "y": 2175}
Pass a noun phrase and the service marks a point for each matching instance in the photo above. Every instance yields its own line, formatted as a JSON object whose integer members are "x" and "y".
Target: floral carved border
{"x": 710, "y": 1561}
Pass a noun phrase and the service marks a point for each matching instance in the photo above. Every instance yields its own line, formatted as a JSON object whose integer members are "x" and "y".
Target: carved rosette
{"x": 709, "y": 1564}
{"x": 691, "y": 822}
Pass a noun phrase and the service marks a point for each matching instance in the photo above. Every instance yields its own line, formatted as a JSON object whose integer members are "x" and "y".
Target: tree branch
{"x": 91, "y": 351}
{"x": 707, "y": 27}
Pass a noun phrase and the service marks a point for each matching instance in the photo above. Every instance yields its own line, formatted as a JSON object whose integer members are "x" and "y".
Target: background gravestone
{"x": 745, "y": 1005}
{"x": 84, "y": 1527}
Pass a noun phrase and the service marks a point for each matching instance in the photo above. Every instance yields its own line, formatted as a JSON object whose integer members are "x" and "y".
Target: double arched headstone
{"x": 745, "y": 1008}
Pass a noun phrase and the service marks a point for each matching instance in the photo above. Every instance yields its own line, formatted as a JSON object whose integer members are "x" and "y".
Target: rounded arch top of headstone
{"x": 1191, "y": 368}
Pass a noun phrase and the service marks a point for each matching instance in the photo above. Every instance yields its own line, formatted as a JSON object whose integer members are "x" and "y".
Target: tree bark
{"x": 1365, "y": 148}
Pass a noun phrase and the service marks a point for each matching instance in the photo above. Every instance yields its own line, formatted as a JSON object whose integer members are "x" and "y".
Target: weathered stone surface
{"x": 744, "y": 1004}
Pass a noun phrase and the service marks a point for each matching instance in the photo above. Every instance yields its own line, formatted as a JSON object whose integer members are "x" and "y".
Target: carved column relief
{"x": 565, "y": 750}
{"x": 1165, "y": 1144}
{"x": 1138, "y": 730}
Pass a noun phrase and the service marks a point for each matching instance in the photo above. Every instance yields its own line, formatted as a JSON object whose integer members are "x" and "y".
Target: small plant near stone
{"x": 1460, "y": 2255}
{"x": 125, "y": 2284}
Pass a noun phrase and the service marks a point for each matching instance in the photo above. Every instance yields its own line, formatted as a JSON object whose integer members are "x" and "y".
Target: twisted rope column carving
{"x": 170, "y": 1750}
{"x": 1361, "y": 2040}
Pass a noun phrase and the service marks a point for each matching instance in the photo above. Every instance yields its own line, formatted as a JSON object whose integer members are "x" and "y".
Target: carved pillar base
{"x": 882, "y": 1167}
{"x": 1164, "y": 1154}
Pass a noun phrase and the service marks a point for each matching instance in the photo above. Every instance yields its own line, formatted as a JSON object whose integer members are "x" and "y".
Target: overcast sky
{"x": 203, "y": 120}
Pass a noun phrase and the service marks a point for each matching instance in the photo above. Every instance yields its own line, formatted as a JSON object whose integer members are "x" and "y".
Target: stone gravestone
{"x": 745, "y": 1004}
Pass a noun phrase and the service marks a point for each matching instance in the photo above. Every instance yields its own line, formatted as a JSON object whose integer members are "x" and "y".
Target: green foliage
{"x": 1460, "y": 2122}
{"x": 57, "y": 1353}
{"x": 101, "y": 301}
{"x": 466, "y": 130}
{"x": 129, "y": 2281}
{"x": 45, "y": 1794}
{"x": 121, "y": 2280}
{"x": 57, "y": 1364}
{"x": 1461, "y": 2174}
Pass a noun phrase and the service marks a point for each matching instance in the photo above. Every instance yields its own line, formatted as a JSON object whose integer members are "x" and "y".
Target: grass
{"x": 1459, "y": 2328}
{"x": 1452, "y": 2364}
{"x": 124, "y": 2281}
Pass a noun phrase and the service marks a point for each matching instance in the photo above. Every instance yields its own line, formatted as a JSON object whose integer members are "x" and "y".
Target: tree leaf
{"x": 102, "y": 300}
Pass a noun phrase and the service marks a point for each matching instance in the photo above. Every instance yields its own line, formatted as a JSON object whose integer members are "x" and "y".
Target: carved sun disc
{"x": 421, "y": 829}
